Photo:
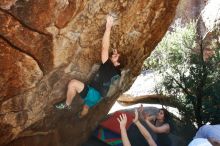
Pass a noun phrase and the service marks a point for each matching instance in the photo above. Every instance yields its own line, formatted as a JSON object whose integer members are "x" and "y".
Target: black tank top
{"x": 105, "y": 75}
{"x": 163, "y": 138}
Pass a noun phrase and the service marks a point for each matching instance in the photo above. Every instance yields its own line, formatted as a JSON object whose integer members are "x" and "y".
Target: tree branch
{"x": 151, "y": 99}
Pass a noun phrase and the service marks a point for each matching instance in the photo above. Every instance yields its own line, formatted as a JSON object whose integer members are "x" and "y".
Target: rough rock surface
{"x": 46, "y": 43}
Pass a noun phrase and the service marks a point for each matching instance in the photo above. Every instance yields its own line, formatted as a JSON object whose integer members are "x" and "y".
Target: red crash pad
{"x": 112, "y": 123}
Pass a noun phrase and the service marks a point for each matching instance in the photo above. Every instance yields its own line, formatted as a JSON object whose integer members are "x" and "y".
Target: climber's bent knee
{"x": 76, "y": 85}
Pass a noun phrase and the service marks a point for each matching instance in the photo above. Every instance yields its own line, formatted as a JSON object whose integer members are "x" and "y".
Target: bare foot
{"x": 84, "y": 111}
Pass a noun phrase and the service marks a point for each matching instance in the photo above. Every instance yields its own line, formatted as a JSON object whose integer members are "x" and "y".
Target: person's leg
{"x": 84, "y": 111}
{"x": 92, "y": 98}
{"x": 74, "y": 87}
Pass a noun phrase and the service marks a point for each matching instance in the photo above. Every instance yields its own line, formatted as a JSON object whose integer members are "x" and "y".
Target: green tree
{"x": 189, "y": 74}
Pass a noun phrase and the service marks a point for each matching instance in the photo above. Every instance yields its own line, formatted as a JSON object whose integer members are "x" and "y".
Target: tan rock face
{"x": 19, "y": 72}
{"x": 36, "y": 45}
{"x": 44, "y": 44}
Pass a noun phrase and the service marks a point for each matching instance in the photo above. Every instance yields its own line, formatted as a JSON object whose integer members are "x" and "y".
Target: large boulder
{"x": 44, "y": 44}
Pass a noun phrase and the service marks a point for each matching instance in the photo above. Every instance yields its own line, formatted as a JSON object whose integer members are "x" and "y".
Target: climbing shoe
{"x": 62, "y": 106}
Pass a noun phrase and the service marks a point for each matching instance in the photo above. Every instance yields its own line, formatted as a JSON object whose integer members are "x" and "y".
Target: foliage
{"x": 188, "y": 76}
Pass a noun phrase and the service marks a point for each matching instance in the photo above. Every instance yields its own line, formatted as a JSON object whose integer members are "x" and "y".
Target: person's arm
{"x": 165, "y": 128}
{"x": 106, "y": 39}
{"x": 143, "y": 130}
{"x": 214, "y": 142}
{"x": 143, "y": 115}
{"x": 149, "y": 117}
{"x": 122, "y": 121}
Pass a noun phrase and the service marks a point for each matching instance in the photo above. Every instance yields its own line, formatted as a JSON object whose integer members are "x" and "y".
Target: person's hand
{"x": 122, "y": 119}
{"x": 141, "y": 108}
{"x": 109, "y": 22}
{"x": 136, "y": 116}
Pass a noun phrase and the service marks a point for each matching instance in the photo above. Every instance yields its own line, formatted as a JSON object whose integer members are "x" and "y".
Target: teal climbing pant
{"x": 92, "y": 98}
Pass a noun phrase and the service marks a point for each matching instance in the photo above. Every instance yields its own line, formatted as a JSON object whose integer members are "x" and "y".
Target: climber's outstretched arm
{"x": 106, "y": 39}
